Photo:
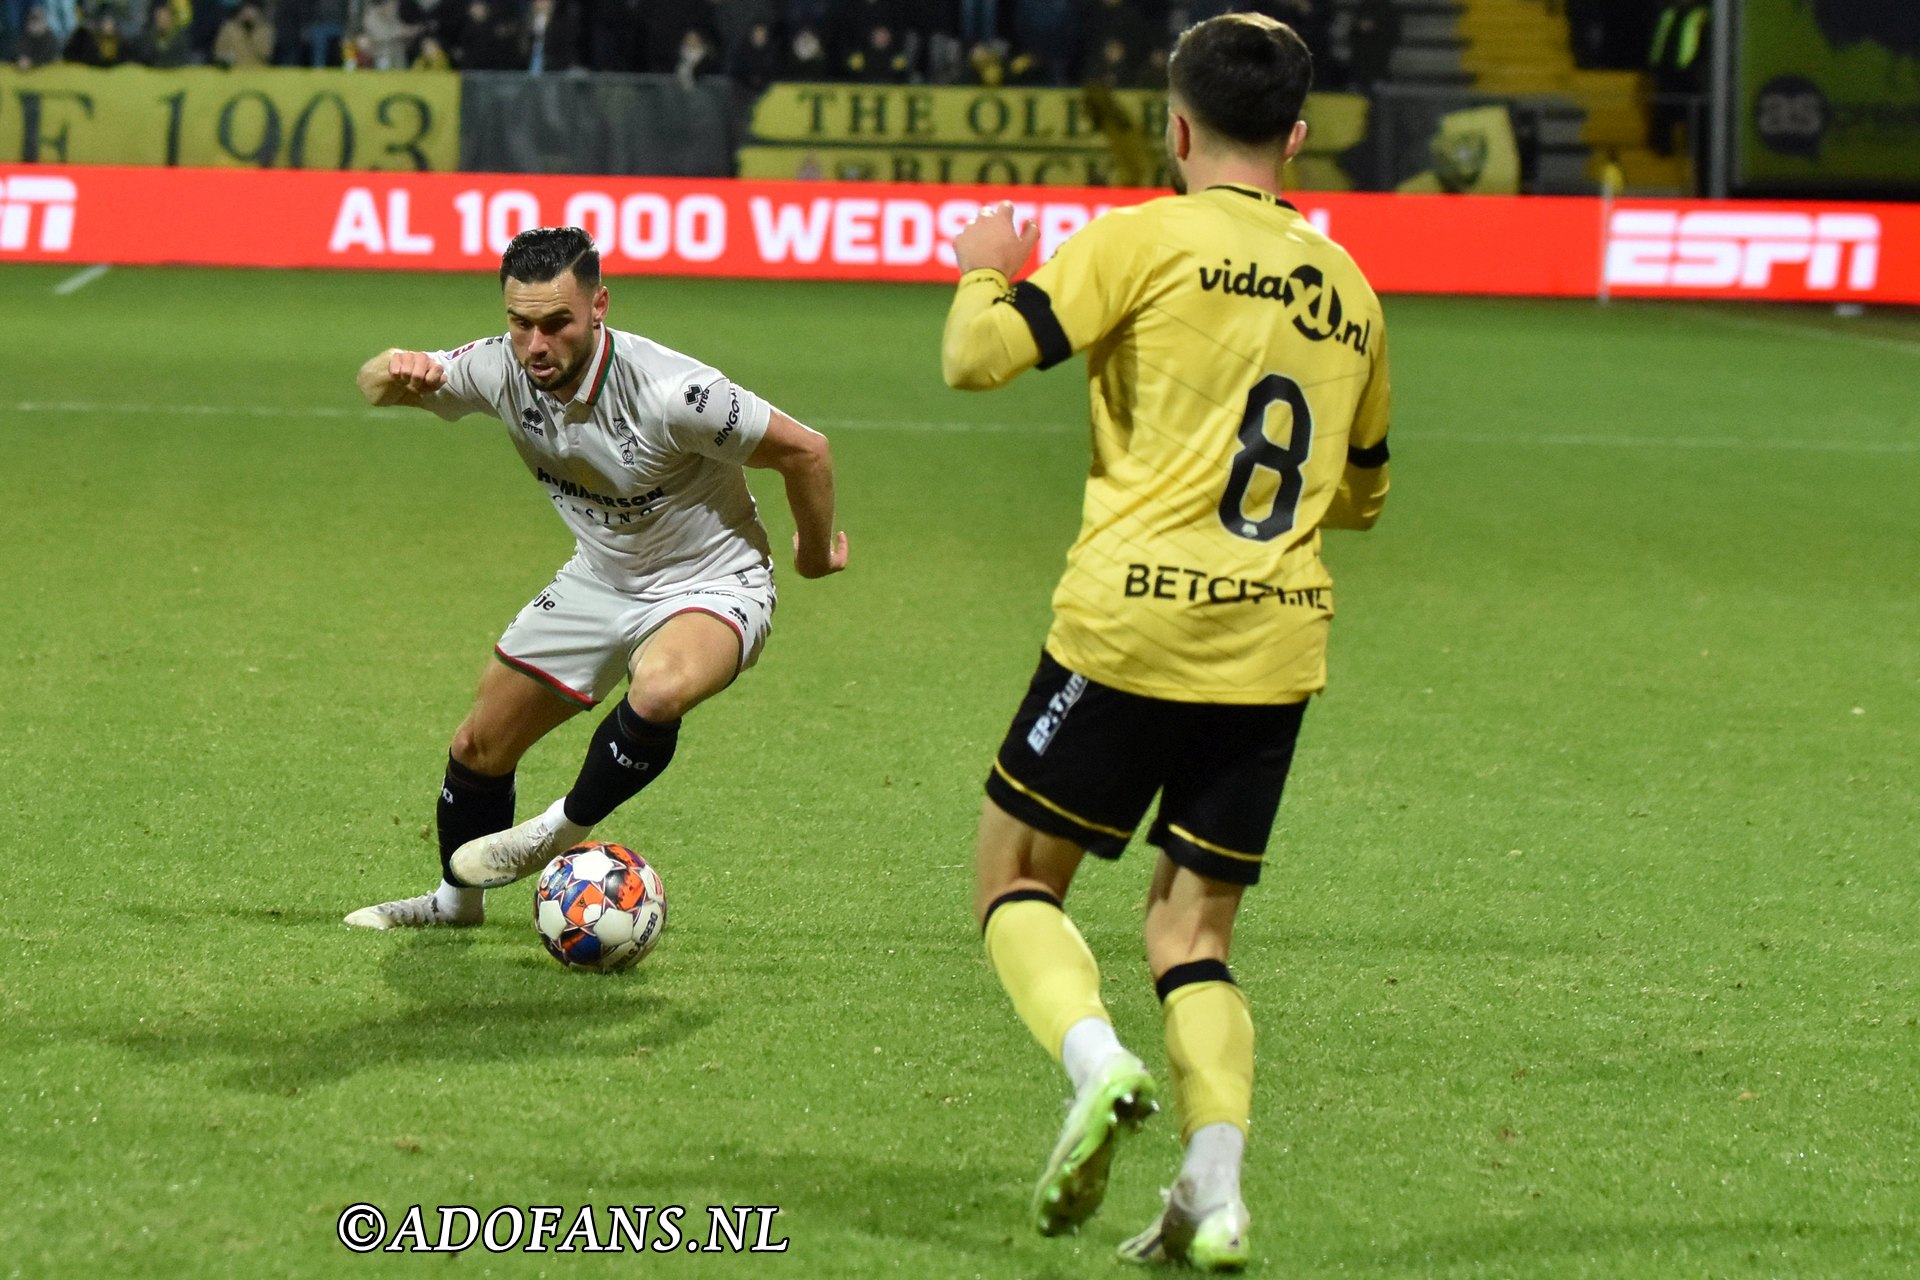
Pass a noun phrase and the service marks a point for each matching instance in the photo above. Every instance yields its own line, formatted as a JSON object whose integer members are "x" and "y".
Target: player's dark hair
{"x": 547, "y": 253}
{"x": 1243, "y": 75}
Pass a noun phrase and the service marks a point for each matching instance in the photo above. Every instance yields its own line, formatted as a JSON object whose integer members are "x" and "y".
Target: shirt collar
{"x": 1255, "y": 193}
{"x": 590, "y": 387}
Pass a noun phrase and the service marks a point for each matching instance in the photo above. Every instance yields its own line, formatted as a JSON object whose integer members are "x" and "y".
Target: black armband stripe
{"x": 1368, "y": 458}
{"x": 1019, "y": 895}
{"x": 1186, "y": 975}
{"x": 1036, "y": 308}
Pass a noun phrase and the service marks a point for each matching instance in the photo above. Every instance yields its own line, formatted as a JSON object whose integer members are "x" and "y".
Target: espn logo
{"x": 1658, "y": 248}
{"x": 53, "y": 198}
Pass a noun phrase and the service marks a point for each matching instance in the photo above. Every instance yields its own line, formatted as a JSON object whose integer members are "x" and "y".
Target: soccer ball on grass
{"x": 599, "y": 907}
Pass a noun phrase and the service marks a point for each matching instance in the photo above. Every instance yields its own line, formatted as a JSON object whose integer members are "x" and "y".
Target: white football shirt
{"x": 643, "y": 463}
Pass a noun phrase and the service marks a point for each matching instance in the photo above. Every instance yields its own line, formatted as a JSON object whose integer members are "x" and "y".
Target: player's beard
{"x": 560, "y": 374}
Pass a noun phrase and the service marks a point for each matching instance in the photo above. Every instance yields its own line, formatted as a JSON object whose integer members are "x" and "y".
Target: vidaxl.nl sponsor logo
{"x": 31, "y": 204}
{"x": 1664, "y": 248}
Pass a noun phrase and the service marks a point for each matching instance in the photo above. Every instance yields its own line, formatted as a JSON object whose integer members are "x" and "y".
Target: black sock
{"x": 627, "y": 752}
{"x": 471, "y": 805}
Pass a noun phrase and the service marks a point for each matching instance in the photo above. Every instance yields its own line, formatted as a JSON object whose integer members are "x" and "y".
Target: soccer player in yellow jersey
{"x": 1238, "y": 369}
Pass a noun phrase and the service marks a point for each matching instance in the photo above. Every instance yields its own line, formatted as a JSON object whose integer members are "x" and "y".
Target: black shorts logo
{"x": 1041, "y": 735}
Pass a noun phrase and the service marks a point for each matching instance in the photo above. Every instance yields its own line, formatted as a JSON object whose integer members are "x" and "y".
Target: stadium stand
{"x": 1591, "y": 117}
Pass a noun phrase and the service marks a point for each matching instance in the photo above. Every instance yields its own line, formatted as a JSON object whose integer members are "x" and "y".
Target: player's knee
{"x": 986, "y": 892}
{"x": 481, "y": 754}
{"x": 1165, "y": 953}
{"x": 663, "y": 698}
{"x": 667, "y": 686}
{"x": 1175, "y": 938}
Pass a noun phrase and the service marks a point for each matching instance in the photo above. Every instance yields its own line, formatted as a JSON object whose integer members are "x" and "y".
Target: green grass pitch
{"x": 1589, "y": 944}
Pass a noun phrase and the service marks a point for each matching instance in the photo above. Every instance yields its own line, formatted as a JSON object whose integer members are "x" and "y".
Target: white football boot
{"x": 517, "y": 852}
{"x": 1211, "y": 1239}
{"x": 412, "y": 913}
{"x": 1117, "y": 1100}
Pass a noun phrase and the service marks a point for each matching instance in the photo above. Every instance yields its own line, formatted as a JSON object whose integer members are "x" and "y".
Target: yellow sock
{"x": 1210, "y": 1046}
{"x": 1044, "y": 964}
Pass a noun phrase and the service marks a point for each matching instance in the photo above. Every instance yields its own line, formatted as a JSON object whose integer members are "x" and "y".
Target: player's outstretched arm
{"x": 984, "y": 346}
{"x": 400, "y": 377}
{"x": 805, "y": 461}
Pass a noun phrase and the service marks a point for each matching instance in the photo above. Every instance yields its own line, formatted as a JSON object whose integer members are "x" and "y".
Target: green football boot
{"x": 1207, "y": 1240}
{"x": 1116, "y": 1101}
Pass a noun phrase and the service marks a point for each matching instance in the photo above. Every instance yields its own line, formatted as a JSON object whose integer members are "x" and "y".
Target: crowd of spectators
{"x": 1122, "y": 43}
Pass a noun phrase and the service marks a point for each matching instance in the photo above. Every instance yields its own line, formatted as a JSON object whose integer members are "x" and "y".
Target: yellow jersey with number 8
{"x": 1237, "y": 362}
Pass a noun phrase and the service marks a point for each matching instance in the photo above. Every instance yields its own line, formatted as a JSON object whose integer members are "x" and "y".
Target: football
{"x": 599, "y": 907}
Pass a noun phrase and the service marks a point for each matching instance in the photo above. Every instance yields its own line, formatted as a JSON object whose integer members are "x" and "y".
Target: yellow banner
{"x": 948, "y": 116}
{"x": 1027, "y": 136}
{"x": 1083, "y": 168}
{"x": 1018, "y": 168}
{"x": 274, "y": 118}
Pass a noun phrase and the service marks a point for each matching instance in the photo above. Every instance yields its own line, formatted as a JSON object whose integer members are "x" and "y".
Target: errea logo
{"x": 1663, "y": 248}
{"x": 21, "y": 198}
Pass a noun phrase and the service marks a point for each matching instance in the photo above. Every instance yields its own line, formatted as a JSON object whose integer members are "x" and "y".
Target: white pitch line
{"x": 190, "y": 410}
{"x": 955, "y": 428}
{"x": 80, "y": 280}
{"x": 340, "y": 411}
{"x": 1668, "y": 442}
{"x": 1789, "y": 329}
{"x": 925, "y": 427}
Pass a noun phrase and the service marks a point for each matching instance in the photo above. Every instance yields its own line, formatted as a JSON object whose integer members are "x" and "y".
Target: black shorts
{"x": 1083, "y": 761}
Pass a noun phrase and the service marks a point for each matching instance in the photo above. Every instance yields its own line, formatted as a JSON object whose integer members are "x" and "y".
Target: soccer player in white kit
{"x": 670, "y": 586}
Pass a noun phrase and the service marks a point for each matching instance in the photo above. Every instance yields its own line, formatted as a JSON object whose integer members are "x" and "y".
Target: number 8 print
{"x": 1257, "y": 451}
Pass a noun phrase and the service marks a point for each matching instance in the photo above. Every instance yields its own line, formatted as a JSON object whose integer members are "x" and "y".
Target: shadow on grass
{"x": 271, "y": 915}
{"x": 1547, "y": 1247}
{"x": 966, "y": 1207}
{"x": 462, "y": 1004}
